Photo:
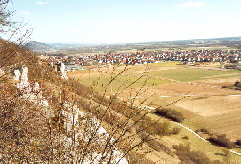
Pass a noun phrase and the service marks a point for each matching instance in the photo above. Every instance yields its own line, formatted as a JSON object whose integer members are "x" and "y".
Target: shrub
{"x": 237, "y": 84}
{"x": 221, "y": 140}
{"x": 161, "y": 129}
{"x": 170, "y": 114}
{"x": 203, "y": 130}
{"x": 238, "y": 143}
{"x": 185, "y": 138}
{"x": 187, "y": 156}
{"x": 176, "y": 131}
{"x": 158, "y": 128}
{"x": 164, "y": 129}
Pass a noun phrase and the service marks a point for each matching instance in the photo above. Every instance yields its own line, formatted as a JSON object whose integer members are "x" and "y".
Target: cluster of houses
{"x": 142, "y": 57}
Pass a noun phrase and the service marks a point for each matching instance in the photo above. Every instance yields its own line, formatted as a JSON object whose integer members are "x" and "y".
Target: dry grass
{"x": 206, "y": 103}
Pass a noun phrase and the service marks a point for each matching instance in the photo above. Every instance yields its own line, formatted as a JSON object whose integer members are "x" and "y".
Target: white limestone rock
{"x": 32, "y": 94}
{"x": 17, "y": 75}
{"x": 24, "y": 84}
{"x": 1, "y": 72}
{"x": 36, "y": 87}
{"x": 62, "y": 70}
{"x": 72, "y": 114}
{"x": 24, "y": 76}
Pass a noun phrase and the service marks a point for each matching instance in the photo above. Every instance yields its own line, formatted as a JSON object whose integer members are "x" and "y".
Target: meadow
{"x": 197, "y": 93}
{"x": 204, "y": 101}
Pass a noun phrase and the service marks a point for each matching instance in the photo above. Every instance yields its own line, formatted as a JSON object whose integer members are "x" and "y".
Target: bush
{"x": 203, "y": 130}
{"x": 187, "y": 156}
{"x": 158, "y": 128}
{"x": 163, "y": 129}
{"x": 153, "y": 128}
{"x": 237, "y": 84}
{"x": 170, "y": 114}
{"x": 185, "y": 138}
{"x": 238, "y": 143}
{"x": 221, "y": 140}
{"x": 176, "y": 131}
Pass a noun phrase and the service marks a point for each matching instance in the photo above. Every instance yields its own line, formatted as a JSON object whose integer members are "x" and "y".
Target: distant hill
{"x": 232, "y": 42}
{"x": 228, "y": 39}
{"x": 192, "y": 41}
{"x": 69, "y": 45}
{"x": 38, "y": 46}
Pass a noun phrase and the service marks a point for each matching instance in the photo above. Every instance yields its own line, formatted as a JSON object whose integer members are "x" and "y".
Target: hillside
{"x": 38, "y": 46}
{"x": 134, "y": 101}
{"x": 42, "y": 114}
{"x": 45, "y": 118}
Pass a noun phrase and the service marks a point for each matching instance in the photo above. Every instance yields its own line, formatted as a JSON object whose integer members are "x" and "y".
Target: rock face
{"x": 24, "y": 84}
{"x": 62, "y": 70}
{"x": 36, "y": 87}
{"x": 1, "y": 72}
{"x": 24, "y": 76}
{"x": 82, "y": 131}
{"x": 32, "y": 94}
{"x": 73, "y": 115}
{"x": 17, "y": 75}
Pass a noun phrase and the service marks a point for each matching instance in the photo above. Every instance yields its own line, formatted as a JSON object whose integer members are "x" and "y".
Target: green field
{"x": 154, "y": 74}
{"x": 170, "y": 79}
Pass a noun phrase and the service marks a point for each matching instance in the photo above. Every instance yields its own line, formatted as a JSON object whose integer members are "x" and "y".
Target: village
{"x": 229, "y": 59}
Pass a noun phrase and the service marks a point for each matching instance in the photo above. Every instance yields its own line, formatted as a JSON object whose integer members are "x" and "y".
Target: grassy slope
{"x": 157, "y": 76}
{"x": 213, "y": 152}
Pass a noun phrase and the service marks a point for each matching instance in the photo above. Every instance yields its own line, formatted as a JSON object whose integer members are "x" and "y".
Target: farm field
{"x": 196, "y": 91}
{"x": 213, "y": 152}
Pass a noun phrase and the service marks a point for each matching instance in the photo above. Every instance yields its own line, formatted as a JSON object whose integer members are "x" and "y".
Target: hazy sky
{"x": 118, "y": 21}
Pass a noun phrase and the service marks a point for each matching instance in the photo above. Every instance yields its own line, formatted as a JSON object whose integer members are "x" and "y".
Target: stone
{"x": 1, "y": 72}
{"x": 36, "y": 87}
{"x": 62, "y": 70}
{"x": 24, "y": 76}
{"x": 72, "y": 113}
{"x": 33, "y": 94}
{"x": 17, "y": 75}
{"x": 24, "y": 84}
{"x": 37, "y": 91}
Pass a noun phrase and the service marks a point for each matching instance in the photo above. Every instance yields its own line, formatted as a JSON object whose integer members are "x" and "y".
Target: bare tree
{"x": 4, "y": 15}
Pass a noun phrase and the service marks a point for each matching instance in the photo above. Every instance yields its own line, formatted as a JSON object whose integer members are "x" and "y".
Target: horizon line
{"x": 108, "y": 43}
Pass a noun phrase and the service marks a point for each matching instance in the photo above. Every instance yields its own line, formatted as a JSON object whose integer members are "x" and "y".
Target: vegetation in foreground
{"x": 33, "y": 133}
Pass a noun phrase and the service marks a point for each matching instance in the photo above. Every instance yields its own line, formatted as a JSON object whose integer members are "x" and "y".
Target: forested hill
{"x": 231, "y": 42}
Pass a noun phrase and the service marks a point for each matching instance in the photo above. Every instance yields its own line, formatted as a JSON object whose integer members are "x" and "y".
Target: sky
{"x": 128, "y": 21}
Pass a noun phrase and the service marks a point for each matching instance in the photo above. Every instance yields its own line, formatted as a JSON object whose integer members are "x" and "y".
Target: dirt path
{"x": 193, "y": 132}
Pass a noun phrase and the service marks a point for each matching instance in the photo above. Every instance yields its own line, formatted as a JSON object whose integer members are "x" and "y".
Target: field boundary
{"x": 193, "y": 132}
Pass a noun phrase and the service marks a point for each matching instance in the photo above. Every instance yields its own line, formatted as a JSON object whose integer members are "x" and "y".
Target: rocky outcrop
{"x": 31, "y": 93}
{"x": 1, "y": 72}
{"x": 79, "y": 125}
{"x": 63, "y": 73}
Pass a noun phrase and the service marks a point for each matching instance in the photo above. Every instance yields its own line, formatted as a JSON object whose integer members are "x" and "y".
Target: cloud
{"x": 42, "y": 3}
{"x": 191, "y": 4}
